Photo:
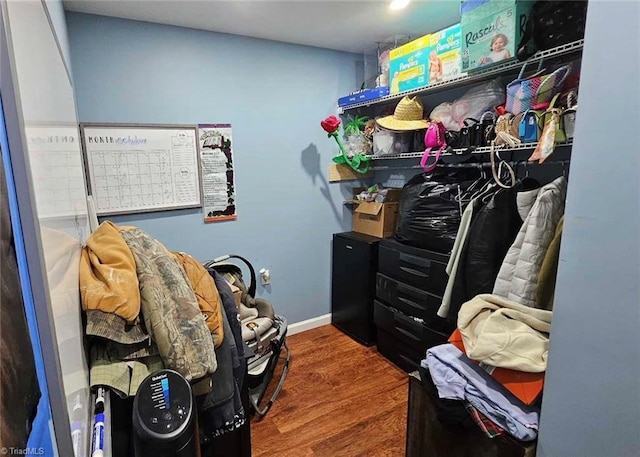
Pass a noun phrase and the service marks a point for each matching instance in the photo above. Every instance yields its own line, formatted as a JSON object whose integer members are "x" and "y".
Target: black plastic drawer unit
{"x": 408, "y": 299}
{"x": 405, "y": 356}
{"x": 353, "y": 285}
{"x": 418, "y": 267}
{"x": 412, "y": 302}
{"x": 406, "y": 329}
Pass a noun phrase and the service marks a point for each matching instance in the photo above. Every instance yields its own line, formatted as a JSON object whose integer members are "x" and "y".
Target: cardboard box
{"x": 342, "y": 172}
{"x": 377, "y": 219}
{"x": 445, "y": 54}
{"x": 491, "y": 30}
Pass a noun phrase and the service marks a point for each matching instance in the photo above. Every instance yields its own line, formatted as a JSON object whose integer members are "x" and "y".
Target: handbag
{"x": 552, "y": 133}
{"x": 434, "y": 138}
{"x": 470, "y": 134}
{"x": 504, "y": 132}
{"x": 514, "y": 125}
{"x": 560, "y": 135}
{"x": 524, "y": 93}
{"x": 529, "y": 128}
{"x": 452, "y": 139}
{"x": 487, "y": 128}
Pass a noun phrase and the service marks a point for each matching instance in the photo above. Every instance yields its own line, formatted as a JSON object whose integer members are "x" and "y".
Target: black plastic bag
{"x": 551, "y": 24}
{"x": 429, "y": 214}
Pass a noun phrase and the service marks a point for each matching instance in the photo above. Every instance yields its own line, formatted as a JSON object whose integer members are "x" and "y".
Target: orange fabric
{"x": 525, "y": 386}
{"x": 108, "y": 278}
{"x": 206, "y": 294}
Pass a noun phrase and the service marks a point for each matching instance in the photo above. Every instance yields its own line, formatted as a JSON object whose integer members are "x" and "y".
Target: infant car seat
{"x": 263, "y": 332}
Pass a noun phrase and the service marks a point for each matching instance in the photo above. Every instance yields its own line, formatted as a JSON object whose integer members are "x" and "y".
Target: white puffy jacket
{"x": 541, "y": 210}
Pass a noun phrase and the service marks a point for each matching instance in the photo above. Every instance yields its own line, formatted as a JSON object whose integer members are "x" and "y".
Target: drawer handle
{"x": 414, "y": 272}
{"x": 410, "y": 291}
{"x": 407, "y": 333}
{"x": 417, "y": 261}
{"x": 410, "y": 303}
{"x": 407, "y": 359}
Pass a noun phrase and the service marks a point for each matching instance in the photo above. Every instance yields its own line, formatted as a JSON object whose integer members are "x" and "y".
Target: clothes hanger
{"x": 466, "y": 196}
{"x": 488, "y": 189}
{"x": 477, "y": 187}
{"x": 527, "y": 183}
{"x": 474, "y": 184}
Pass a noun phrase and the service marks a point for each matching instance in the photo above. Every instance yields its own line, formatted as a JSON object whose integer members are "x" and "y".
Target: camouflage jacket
{"x": 169, "y": 308}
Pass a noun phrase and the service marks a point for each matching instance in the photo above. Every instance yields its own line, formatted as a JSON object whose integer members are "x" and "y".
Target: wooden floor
{"x": 340, "y": 399}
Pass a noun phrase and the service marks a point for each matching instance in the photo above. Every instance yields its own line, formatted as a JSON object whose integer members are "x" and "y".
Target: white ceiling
{"x": 353, "y": 26}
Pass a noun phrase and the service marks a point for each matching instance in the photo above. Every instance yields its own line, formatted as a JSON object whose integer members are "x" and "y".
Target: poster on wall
{"x": 216, "y": 162}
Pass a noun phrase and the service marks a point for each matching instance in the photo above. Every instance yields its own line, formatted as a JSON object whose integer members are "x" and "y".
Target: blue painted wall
{"x": 274, "y": 95}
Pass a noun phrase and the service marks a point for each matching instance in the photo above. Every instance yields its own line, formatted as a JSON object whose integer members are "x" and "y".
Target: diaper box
{"x": 491, "y": 30}
{"x": 429, "y": 59}
{"x": 444, "y": 54}
{"x": 408, "y": 65}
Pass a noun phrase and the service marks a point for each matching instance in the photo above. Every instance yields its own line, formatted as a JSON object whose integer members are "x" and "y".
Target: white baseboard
{"x": 309, "y": 324}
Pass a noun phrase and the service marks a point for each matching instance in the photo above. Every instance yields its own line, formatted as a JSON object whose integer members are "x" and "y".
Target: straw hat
{"x": 408, "y": 115}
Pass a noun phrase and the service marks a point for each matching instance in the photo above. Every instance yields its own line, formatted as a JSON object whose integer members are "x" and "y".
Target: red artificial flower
{"x": 330, "y": 124}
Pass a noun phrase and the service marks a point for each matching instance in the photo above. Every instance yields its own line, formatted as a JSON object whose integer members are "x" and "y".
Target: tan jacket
{"x": 206, "y": 294}
{"x": 108, "y": 278}
{"x": 549, "y": 271}
{"x": 505, "y": 334}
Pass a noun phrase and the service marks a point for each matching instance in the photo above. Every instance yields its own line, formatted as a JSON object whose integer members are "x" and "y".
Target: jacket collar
{"x": 525, "y": 201}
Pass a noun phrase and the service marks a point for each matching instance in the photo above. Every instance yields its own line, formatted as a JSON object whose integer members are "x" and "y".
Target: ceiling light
{"x": 398, "y": 4}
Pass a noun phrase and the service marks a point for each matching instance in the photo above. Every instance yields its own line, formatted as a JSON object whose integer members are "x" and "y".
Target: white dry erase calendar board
{"x": 141, "y": 168}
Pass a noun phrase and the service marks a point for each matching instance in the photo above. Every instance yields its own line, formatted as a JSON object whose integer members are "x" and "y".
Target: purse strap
{"x": 563, "y": 71}
{"x": 490, "y": 113}
{"x": 572, "y": 100}
{"x": 538, "y": 70}
{"x": 425, "y": 159}
{"x": 553, "y": 102}
{"x": 531, "y": 110}
{"x": 496, "y": 174}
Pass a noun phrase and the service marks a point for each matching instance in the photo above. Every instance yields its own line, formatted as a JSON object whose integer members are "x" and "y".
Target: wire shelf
{"x": 474, "y": 76}
{"x": 477, "y": 165}
{"x": 481, "y": 150}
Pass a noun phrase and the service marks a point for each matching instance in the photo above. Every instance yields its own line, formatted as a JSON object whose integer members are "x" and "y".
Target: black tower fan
{"x": 164, "y": 417}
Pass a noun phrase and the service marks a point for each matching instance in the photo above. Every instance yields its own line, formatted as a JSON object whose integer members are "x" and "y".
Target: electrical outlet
{"x": 265, "y": 276}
